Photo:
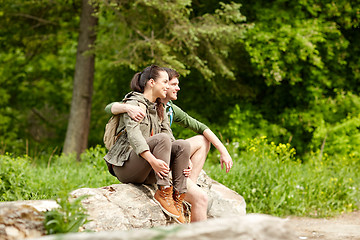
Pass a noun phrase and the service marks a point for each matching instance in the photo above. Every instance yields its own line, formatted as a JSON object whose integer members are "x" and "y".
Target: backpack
{"x": 110, "y": 135}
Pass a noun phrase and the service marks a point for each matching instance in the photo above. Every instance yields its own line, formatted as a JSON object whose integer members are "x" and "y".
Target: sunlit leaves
{"x": 163, "y": 33}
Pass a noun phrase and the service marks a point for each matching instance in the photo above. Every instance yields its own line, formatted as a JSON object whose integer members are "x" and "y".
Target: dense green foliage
{"x": 288, "y": 70}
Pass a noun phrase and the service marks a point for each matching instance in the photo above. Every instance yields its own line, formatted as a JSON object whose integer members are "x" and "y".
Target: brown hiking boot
{"x": 163, "y": 197}
{"x": 178, "y": 201}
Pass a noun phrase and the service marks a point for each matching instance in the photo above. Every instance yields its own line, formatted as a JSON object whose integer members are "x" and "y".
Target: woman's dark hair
{"x": 172, "y": 73}
{"x": 139, "y": 80}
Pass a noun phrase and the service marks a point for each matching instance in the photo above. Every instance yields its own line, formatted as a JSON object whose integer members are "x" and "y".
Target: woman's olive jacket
{"x": 134, "y": 134}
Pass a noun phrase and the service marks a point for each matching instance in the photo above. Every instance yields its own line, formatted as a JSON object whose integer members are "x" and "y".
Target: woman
{"x": 145, "y": 151}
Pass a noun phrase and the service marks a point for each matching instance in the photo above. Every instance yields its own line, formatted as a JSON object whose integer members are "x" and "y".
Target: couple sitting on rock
{"x": 146, "y": 151}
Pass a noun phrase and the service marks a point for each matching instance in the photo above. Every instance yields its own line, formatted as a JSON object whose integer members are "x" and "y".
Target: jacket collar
{"x": 138, "y": 97}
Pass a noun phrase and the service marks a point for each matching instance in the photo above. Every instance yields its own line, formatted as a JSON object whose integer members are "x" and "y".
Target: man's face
{"x": 173, "y": 89}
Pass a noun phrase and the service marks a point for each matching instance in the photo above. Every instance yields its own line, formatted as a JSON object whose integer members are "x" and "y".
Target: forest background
{"x": 275, "y": 80}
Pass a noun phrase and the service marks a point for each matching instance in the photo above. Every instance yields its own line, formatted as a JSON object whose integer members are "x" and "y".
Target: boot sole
{"x": 166, "y": 211}
{"x": 177, "y": 221}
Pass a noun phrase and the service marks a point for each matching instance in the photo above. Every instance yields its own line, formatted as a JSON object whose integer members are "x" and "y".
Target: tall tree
{"x": 79, "y": 121}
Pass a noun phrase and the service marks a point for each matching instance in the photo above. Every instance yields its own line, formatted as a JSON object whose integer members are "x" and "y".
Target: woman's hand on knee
{"x": 160, "y": 167}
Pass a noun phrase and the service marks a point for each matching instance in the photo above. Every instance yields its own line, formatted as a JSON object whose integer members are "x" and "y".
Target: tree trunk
{"x": 79, "y": 121}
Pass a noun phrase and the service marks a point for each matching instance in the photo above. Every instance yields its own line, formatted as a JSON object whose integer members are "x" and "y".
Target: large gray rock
{"x": 222, "y": 200}
{"x": 113, "y": 208}
{"x": 249, "y": 227}
{"x": 128, "y": 206}
{"x": 121, "y": 207}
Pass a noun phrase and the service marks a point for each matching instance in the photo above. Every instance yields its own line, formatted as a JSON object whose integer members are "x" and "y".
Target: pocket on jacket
{"x": 119, "y": 153}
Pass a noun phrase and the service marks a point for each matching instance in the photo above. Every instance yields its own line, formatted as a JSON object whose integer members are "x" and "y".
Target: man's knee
{"x": 206, "y": 143}
{"x": 199, "y": 142}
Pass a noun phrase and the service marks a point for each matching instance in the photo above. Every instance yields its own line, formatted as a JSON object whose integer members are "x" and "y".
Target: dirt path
{"x": 346, "y": 226}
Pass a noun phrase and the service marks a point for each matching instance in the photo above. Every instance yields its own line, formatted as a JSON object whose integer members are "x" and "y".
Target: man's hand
{"x": 187, "y": 171}
{"x": 135, "y": 112}
{"x": 225, "y": 159}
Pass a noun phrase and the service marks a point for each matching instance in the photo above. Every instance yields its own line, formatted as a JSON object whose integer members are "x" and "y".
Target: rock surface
{"x": 249, "y": 227}
{"x": 19, "y": 220}
{"x": 113, "y": 208}
{"x": 128, "y": 206}
{"x": 121, "y": 207}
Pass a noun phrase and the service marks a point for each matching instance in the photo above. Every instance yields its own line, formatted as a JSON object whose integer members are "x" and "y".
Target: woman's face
{"x": 161, "y": 85}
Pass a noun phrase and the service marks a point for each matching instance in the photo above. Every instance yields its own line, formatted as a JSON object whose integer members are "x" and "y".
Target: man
{"x": 200, "y": 144}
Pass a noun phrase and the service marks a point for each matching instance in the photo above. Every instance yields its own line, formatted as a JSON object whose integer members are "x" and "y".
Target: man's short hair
{"x": 172, "y": 73}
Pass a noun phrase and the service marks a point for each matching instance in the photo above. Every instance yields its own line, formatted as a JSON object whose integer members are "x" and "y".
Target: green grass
{"x": 273, "y": 181}
{"x": 23, "y": 178}
{"x": 269, "y": 176}
{"x": 69, "y": 217}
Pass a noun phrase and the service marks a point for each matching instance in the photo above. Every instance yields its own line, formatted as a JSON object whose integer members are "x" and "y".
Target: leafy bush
{"x": 68, "y": 218}
{"x": 331, "y": 123}
{"x": 338, "y": 133}
{"x": 245, "y": 122}
{"x": 14, "y": 181}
